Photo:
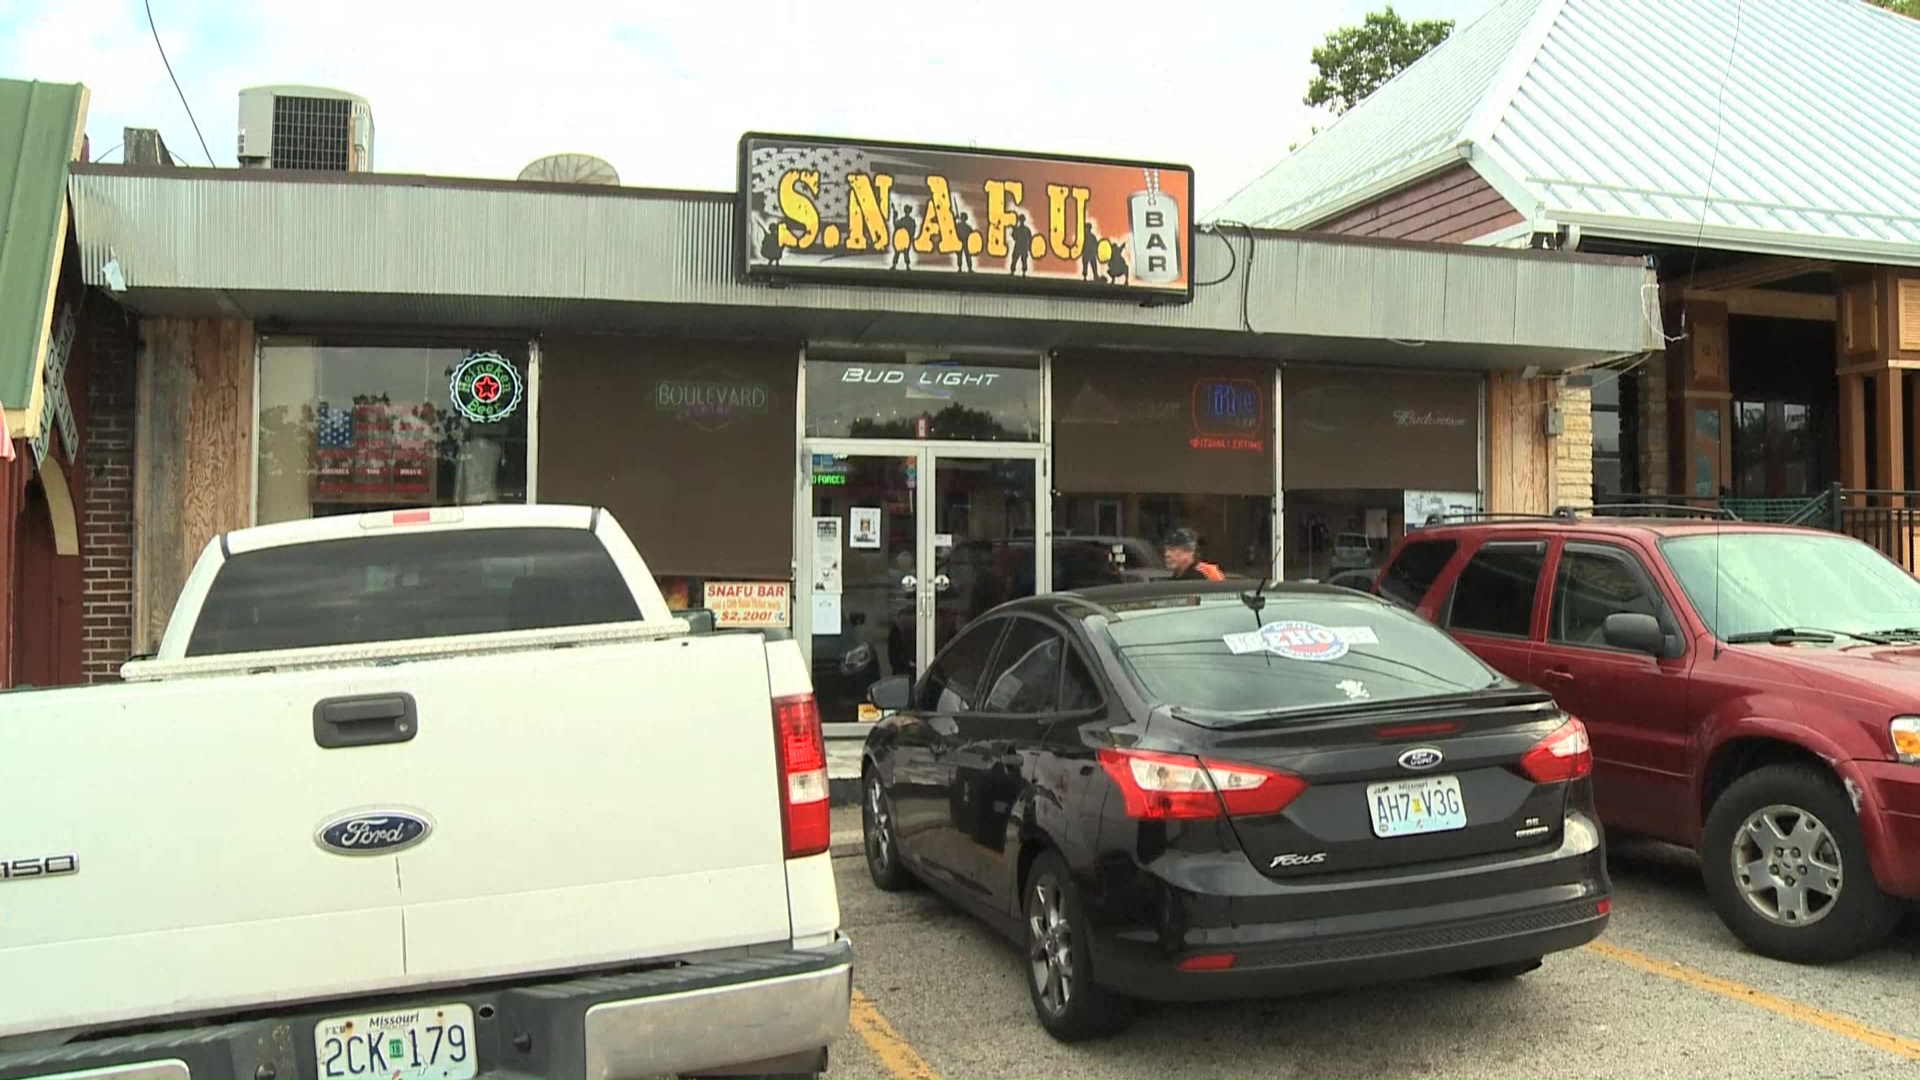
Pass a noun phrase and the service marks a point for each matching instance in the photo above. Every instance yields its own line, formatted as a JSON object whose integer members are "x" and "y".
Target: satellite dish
{"x": 571, "y": 169}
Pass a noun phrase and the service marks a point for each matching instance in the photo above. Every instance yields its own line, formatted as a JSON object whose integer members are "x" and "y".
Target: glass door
{"x": 862, "y": 581}
{"x": 866, "y": 608}
{"x": 984, "y": 539}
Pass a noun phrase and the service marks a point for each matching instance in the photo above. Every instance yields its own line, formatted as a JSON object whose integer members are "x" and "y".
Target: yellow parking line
{"x": 1760, "y": 999}
{"x": 896, "y": 1054}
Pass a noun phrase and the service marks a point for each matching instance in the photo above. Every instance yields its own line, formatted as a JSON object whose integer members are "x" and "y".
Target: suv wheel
{"x": 1059, "y": 972}
{"x": 1787, "y": 868}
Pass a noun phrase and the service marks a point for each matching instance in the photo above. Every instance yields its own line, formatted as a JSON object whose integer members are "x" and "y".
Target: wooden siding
{"x": 194, "y": 454}
{"x": 1451, "y": 207}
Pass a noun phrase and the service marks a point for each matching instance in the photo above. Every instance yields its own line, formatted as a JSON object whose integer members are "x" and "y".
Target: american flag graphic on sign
{"x": 334, "y": 427}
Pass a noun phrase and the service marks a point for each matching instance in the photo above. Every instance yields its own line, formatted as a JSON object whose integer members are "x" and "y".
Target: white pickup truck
{"x": 443, "y": 793}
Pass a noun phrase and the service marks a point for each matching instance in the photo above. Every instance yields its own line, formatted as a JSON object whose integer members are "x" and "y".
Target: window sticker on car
{"x": 1298, "y": 640}
{"x": 1354, "y": 689}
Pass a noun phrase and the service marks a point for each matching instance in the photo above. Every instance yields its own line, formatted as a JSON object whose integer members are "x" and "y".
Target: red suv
{"x": 1752, "y": 691}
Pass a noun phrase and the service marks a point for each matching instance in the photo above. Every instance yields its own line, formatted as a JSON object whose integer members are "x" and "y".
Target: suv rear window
{"x": 410, "y": 585}
{"x": 1415, "y": 570}
{"x": 1494, "y": 594}
{"x": 1219, "y": 658}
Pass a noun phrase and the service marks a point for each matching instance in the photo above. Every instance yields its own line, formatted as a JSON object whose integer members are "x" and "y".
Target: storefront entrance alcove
{"x": 920, "y": 508}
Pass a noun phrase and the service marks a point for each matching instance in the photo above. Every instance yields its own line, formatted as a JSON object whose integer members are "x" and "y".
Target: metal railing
{"x": 1887, "y": 520}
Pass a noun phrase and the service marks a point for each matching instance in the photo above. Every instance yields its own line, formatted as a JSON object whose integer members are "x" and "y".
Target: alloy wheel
{"x": 1788, "y": 865}
{"x": 879, "y": 826}
{"x": 1050, "y": 947}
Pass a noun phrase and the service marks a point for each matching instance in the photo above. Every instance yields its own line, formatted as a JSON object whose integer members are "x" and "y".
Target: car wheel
{"x": 881, "y": 840}
{"x": 1502, "y": 972}
{"x": 1787, "y": 868}
{"x": 1059, "y": 971}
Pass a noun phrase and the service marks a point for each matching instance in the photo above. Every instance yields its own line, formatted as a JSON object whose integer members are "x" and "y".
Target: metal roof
{"x": 359, "y": 248}
{"x": 1787, "y": 127}
{"x": 40, "y": 132}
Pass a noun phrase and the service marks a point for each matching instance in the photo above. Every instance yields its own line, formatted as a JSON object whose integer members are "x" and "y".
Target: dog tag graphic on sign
{"x": 1156, "y": 234}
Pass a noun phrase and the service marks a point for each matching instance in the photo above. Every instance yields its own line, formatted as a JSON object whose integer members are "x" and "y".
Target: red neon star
{"x": 486, "y": 389}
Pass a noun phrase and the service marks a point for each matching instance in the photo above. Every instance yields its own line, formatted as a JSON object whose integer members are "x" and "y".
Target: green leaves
{"x": 1354, "y": 61}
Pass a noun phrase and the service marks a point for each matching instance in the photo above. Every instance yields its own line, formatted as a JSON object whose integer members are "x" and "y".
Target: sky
{"x": 663, "y": 89}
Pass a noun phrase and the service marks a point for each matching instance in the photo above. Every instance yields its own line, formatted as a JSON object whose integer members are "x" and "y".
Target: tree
{"x": 1355, "y": 61}
{"x": 1909, "y": 8}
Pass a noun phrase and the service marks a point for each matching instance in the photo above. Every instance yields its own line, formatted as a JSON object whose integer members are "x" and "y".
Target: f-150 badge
{"x": 373, "y": 832}
{"x": 44, "y": 866}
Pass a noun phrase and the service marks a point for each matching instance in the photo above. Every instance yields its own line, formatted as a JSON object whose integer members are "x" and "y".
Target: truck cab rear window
{"x": 404, "y": 586}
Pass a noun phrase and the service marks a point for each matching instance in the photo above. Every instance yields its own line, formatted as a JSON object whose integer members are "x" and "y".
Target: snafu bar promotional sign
{"x": 899, "y": 215}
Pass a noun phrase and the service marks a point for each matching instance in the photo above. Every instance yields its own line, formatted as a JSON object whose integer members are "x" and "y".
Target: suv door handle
{"x": 365, "y": 720}
{"x": 1556, "y": 675}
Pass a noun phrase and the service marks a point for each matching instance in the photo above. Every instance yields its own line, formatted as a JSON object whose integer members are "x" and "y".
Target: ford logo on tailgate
{"x": 373, "y": 832}
{"x": 1420, "y": 757}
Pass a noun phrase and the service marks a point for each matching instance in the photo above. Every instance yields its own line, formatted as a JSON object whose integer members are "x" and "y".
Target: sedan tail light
{"x": 802, "y": 747}
{"x": 1565, "y": 754}
{"x": 1182, "y": 787}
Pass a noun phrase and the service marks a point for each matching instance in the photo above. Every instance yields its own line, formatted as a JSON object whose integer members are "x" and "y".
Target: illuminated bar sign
{"x": 889, "y": 214}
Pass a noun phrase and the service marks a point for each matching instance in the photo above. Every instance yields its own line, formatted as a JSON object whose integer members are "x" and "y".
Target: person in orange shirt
{"x": 1180, "y": 553}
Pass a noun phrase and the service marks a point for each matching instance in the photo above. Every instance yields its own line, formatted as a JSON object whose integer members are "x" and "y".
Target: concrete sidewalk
{"x": 846, "y": 831}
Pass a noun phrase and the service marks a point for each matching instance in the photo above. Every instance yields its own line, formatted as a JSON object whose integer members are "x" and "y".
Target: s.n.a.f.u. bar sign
{"x": 889, "y": 214}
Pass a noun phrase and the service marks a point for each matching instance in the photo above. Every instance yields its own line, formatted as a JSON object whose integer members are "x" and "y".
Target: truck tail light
{"x": 805, "y": 817}
{"x": 1565, "y": 754}
{"x": 1181, "y": 787}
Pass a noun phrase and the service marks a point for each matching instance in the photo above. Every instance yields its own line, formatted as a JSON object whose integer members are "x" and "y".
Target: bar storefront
{"x": 918, "y": 383}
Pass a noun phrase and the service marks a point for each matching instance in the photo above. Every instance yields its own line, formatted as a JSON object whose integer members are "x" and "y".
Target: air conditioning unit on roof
{"x": 305, "y": 127}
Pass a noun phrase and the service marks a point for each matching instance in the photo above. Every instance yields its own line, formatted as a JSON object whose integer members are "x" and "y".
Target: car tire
{"x": 1059, "y": 967}
{"x": 1503, "y": 972}
{"x": 1779, "y": 905}
{"x": 880, "y": 836}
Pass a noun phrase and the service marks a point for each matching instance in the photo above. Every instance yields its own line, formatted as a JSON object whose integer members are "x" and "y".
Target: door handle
{"x": 365, "y": 720}
{"x": 1557, "y": 675}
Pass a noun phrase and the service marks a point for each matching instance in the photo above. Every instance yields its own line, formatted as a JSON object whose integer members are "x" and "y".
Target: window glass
{"x": 1116, "y": 538}
{"x": 1415, "y": 569}
{"x": 1746, "y": 583}
{"x": 1027, "y": 673}
{"x": 1078, "y": 690}
{"x": 1302, "y": 652}
{"x": 953, "y": 681}
{"x": 1590, "y": 586}
{"x": 419, "y": 585}
{"x": 348, "y": 428}
{"x": 1496, "y": 589}
{"x": 890, "y": 395}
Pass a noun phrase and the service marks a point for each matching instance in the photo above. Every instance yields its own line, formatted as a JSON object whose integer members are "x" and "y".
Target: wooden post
{"x": 1853, "y": 431}
{"x": 1890, "y": 449}
{"x": 1701, "y": 399}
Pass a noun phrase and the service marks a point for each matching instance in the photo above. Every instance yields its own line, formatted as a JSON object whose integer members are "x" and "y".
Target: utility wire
{"x": 176, "y": 82}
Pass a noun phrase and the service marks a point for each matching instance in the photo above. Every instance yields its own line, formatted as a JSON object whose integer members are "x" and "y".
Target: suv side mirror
{"x": 1635, "y": 631}
{"x": 892, "y": 694}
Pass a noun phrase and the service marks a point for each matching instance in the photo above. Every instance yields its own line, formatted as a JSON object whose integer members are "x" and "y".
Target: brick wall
{"x": 1573, "y": 449}
{"x": 106, "y": 534}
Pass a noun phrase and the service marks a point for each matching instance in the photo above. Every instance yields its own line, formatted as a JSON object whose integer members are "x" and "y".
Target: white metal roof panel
{"x": 1781, "y": 126}
{"x": 1419, "y": 116}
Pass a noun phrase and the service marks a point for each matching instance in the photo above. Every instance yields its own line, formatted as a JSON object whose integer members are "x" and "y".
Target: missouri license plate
{"x": 434, "y": 1042}
{"x": 1409, "y": 807}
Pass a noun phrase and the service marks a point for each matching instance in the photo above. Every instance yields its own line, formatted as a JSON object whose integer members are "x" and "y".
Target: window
{"x": 1078, "y": 690}
{"x": 1027, "y": 674}
{"x": 1495, "y": 592}
{"x": 885, "y": 394}
{"x": 954, "y": 678}
{"x": 419, "y": 585}
{"x": 1301, "y": 653}
{"x": 1592, "y": 585}
{"x": 1235, "y": 532}
{"x": 1753, "y": 582}
{"x": 347, "y": 428}
{"x": 1615, "y": 457}
{"x": 1415, "y": 570}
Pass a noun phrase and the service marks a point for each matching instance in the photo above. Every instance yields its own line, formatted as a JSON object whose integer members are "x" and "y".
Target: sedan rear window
{"x": 1299, "y": 653}
{"x": 410, "y": 585}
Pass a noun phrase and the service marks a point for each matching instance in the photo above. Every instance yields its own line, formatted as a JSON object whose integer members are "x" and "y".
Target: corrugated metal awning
{"x": 415, "y": 251}
{"x": 40, "y": 132}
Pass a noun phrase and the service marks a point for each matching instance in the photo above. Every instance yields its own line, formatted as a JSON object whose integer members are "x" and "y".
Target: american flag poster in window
{"x": 333, "y": 457}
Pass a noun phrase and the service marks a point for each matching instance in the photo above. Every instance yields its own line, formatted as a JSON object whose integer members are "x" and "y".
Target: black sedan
{"x": 1197, "y": 791}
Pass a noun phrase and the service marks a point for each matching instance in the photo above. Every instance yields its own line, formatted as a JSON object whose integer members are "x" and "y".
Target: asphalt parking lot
{"x": 1666, "y": 992}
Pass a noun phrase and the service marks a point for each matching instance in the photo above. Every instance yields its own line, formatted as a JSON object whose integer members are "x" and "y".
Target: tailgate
{"x": 585, "y": 805}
